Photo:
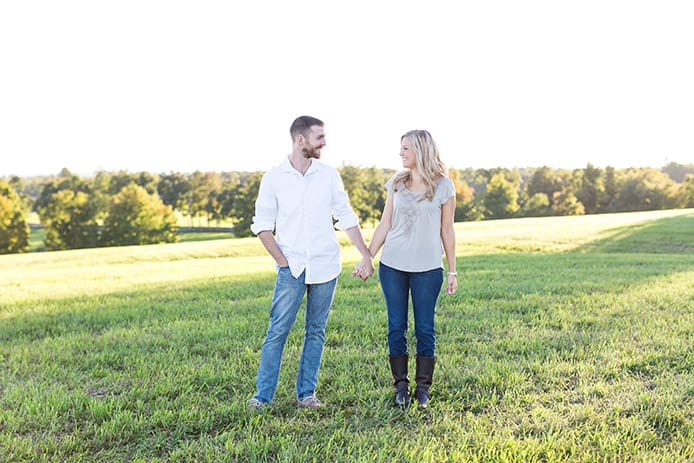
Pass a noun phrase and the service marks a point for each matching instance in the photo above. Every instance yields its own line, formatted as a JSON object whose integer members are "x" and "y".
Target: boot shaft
{"x": 398, "y": 367}
{"x": 425, "y": 370}
{"x": 424, "y": 378}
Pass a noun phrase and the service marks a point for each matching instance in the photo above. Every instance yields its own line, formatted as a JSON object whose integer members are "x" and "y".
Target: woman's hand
{"x": 363, "y": 269}
{"x": 452, "y": 284}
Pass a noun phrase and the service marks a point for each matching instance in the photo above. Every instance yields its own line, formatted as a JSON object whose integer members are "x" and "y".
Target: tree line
{"x": 122, "y": 208}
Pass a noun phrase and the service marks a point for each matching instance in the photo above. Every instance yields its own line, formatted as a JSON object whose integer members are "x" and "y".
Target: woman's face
{"x": 407, "y": 154}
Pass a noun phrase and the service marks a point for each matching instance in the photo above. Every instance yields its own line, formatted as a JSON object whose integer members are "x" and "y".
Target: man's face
{"x": 313, "y": 142}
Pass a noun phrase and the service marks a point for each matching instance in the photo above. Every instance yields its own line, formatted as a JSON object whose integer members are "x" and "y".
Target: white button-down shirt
{"x": 300, "y": 209}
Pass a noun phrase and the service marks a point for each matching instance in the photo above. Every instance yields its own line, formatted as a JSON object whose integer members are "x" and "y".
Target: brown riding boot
{"x": 424, "y": 377}
{"x": 398, "y": 366}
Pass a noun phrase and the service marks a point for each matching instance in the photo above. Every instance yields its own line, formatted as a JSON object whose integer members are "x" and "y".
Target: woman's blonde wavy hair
{"x": 428, "y": 162}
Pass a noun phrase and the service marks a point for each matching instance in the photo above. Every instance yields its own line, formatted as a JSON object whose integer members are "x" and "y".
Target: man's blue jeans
{"x": 425, "y": 287}
{"x": 289, "y": 292}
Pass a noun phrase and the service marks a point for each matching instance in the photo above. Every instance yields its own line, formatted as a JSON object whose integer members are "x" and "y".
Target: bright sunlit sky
{"x": 179, "y": 86}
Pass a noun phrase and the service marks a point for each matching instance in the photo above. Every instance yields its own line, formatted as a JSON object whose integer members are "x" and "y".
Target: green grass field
{"x": 570, "y": 339}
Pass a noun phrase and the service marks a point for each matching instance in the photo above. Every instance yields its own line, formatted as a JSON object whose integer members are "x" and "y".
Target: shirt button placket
{"x": 305, "y": 212}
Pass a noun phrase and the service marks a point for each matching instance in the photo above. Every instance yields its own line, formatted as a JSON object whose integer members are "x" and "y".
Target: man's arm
{"x": 354, "y": 234}
{"x": 348, "y": 221}
{"x": 265, "y": 218}
{"x": 270, "y": 244}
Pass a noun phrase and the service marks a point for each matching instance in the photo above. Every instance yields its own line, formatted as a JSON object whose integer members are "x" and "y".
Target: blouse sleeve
{"x": 389, "y": 185}
{"x": 447, "y": 190}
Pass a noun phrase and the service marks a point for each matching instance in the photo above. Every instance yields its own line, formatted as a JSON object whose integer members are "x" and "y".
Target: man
{"x": 298, "y": 200}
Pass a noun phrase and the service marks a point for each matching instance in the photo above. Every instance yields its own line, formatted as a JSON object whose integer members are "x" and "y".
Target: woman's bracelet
{"x": 452, "y": 273}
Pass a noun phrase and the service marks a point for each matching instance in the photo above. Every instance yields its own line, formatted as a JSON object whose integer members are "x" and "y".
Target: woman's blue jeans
{"x": 424, "y": 288}
{"x": 289, "y": 292}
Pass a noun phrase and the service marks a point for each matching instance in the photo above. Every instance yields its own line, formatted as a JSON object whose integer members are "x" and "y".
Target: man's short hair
{"x": 302, "y": 125}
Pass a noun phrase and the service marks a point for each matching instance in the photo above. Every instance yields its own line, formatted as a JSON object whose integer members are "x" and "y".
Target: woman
{"x": 417, "y": 221}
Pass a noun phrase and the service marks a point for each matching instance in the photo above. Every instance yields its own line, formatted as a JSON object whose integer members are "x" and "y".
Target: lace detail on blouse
{"x": 408, "y": 209}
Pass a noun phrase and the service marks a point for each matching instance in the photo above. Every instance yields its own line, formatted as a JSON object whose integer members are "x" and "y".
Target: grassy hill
{"x": 570, "y": 339}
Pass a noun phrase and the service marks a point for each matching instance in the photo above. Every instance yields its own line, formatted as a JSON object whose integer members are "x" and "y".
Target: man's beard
{"x": 311, "y": 153}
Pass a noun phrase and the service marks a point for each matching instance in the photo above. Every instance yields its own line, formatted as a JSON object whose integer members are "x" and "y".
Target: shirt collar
{"x": 287, "y": 167}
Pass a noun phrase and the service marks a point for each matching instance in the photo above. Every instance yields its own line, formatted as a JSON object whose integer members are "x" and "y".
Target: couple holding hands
{"x": 298, "y": 200}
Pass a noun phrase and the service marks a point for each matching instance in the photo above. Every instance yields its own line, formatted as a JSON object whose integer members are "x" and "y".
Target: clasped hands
{"x": 363, "y": 269}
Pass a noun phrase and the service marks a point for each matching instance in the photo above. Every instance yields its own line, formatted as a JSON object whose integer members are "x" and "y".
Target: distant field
{"x": 183, "y": 221}
{"x": 37, "y": 237}
{"x": 570, "y": 339}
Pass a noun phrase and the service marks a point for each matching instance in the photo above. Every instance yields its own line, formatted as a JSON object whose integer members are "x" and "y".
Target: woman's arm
{"x": 448, "y": 239}
{"x": 379, "y": 236}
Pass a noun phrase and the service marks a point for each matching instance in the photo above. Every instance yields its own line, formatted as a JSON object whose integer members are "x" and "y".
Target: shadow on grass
{"x": 671, "y": 235}
{"x": 234, "y": 297}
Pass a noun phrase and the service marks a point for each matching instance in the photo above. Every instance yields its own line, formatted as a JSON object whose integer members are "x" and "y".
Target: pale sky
{"x": 179, "y": 86}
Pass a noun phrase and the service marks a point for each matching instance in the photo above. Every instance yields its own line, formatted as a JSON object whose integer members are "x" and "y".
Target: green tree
{"x": 364, "y": 187}
{"x": 137, "y": 217}
{"x": 543, "y": 180}
{"x": 147, "y": 181}
{"x": 70, "y": 220}
{"x": 613, "y": 183}
{"x": 501, "y": 200}
{"x": 376, "y": 193}
{"x": 17, "y": 184}
{"x": 227, "y": 198}
{"x": 465, "y": 207}
{"x": 353, "y": 179}
{"x": 121, "y": 179}
{"x": 14, "y": 230}
{"x": 203, "y": 186}
{"x": 244, "y": 204}
{"x": 70, "y": 207}
{"x": 591, "y": 189}
{"x": 566, "y": 203}
{"x": 29, "y": 187}
{"x": 173, "y": 190}
{"x": 644, "y": 190}
{"x": 66, "y": 181}
{"x": 537, "y": 206}
{"x": 212, "y": 186}
{"x": 475, "y": 179}
{"x": 99, "y": 191}
{"x": 686, "y": 192}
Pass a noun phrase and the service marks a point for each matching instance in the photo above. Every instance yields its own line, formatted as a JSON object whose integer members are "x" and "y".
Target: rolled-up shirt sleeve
{"x": 342, "y": 211}
{"x": 265, "y": 208}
